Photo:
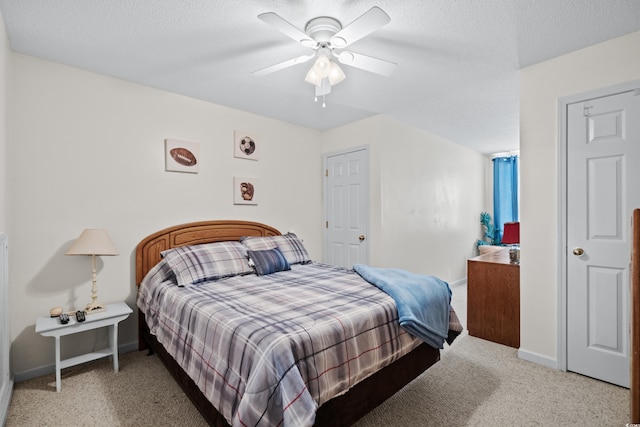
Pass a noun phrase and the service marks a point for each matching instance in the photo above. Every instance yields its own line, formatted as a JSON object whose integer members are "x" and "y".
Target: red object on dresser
{"x": 511, "y": 234}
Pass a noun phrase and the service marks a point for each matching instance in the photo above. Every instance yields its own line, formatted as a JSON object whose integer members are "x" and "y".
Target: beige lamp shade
{"x": 93, "y": 241}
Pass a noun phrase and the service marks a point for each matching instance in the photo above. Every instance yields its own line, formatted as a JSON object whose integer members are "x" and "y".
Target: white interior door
{"x": 347, "y": 208}
{"x": 603, "y": 172}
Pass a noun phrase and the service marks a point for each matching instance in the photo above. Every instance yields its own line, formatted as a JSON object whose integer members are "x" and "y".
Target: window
{"x": 505, "y": 192}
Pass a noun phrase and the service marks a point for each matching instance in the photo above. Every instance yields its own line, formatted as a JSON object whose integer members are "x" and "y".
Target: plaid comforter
{"x": 268, "y": 350}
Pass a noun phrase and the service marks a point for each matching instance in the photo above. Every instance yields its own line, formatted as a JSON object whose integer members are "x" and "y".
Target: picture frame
{"x": 245, "y": 145}
{"x": 245, "y": 191}
{"x": 181, "y": 156}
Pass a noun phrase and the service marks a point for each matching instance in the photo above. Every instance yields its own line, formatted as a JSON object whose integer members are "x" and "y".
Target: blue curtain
{"x": 505, "y": 192}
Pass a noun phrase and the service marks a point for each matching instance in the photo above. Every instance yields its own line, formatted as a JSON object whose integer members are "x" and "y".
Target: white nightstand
{"x": 51, "y": 327}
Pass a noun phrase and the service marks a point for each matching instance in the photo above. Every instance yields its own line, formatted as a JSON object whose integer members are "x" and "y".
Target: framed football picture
{"x": 181, "y": 156}
{"x": 245, "y": 191}
{"x": 245, "y": 145}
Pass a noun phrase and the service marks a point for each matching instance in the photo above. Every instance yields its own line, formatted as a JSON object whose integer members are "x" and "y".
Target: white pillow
{"x": 289, "y": 244}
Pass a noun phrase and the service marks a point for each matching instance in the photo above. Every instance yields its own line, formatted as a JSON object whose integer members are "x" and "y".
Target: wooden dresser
{"x": 493, "y": 298}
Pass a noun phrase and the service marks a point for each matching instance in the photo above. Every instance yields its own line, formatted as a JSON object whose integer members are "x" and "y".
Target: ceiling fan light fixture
{"x": 322, "y": 66}
{"x": 313, "y": 77}
{"x": 336, "y": 75}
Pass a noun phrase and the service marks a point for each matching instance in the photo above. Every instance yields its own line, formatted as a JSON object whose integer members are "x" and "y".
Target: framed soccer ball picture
{"x": 245, "y": 145}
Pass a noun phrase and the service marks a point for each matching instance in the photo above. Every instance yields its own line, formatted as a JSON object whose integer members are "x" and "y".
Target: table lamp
{"x": 511, "y": 236}
{"x": 93, "y": 241}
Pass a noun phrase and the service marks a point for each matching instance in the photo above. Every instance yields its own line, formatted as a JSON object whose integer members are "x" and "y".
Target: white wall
{"x": 426, "y": 196}
{"x": 5, "y": 78}
{"x": 541, "y": 86}
{"x": 88, "y": 151}
{"x": 432, "y": 196}
{"x": 6, "y": 378}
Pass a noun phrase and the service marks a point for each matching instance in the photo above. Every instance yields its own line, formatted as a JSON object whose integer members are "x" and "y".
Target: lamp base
{"x": 94, "y": 307}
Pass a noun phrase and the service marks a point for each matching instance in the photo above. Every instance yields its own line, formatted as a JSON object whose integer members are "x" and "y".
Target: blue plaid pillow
{"x": 268, "y": 261}
{"x": 210, "y": 261}
{"x": 289, "y": 244}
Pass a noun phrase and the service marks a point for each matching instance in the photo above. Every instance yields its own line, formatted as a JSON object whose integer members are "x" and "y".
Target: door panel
{"x": 603, "y": 149}
{"x": 604, "y": 295}
{"x": 604, "y": 198}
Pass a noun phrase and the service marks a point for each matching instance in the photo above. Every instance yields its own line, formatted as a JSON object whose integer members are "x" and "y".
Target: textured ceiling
{"x": 458, "y": 60}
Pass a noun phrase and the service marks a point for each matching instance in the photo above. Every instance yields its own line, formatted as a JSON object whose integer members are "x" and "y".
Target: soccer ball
{"x": 247, "y": 145}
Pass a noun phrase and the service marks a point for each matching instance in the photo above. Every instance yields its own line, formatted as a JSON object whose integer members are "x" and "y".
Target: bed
{"x": 341, "y": 401}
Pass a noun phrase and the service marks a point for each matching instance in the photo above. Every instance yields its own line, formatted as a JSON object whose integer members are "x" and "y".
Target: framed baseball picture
{"x": 245, "y": 191}
{"x": 245, "y": 145}
{"x": 181, "y": 156}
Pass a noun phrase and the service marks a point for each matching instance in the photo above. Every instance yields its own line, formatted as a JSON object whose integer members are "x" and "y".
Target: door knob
{"x": 578, "y": 251}
{"x": 361, "y": 237}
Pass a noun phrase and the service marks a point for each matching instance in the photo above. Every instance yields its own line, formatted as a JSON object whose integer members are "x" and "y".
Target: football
{"x": 247, "y": 145}
{"x": 183, "y": 156}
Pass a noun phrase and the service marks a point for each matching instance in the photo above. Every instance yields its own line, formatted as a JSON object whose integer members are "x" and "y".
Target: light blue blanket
{"x": 423, "y": 301}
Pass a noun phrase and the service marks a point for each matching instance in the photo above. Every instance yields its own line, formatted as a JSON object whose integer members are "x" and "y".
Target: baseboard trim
{"x": 5, "y": 400}
{"x": 458, "y": 283}
{"x": 48, "y": 369}
{"x": 538, "y": 359}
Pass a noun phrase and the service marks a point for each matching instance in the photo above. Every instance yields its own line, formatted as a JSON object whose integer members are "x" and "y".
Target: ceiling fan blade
{"x": 282, "y": 65}
{"x": 286, "y": 28}
{"x": 367, "y": 23}
{"x": 367, "y": 63}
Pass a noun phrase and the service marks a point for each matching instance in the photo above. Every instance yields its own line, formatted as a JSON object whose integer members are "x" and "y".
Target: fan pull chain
{"x": 324, "y": 104}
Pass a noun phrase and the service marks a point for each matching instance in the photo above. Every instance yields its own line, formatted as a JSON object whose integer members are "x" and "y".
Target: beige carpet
{"x": 477, "y": 383}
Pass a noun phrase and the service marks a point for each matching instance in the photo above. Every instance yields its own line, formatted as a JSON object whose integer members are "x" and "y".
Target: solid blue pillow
{"x": 268, "y": 261}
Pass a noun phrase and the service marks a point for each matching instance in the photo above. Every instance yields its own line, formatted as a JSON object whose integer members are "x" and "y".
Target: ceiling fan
{"x": 326, "y": 36}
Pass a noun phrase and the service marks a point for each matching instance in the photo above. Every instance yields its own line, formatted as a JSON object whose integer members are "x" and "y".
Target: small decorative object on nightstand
{"x": 93, "y": 242}
{"x": 53, "y": 327}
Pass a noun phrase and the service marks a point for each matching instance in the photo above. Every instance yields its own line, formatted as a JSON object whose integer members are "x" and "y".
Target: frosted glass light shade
{"x": 322, "y": 66}
{"x": 313, "y": 78}
{"x": 336, "y": 75}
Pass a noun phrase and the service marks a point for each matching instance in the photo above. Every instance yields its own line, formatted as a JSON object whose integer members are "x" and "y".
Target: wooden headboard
{"x": 193, "y": 233}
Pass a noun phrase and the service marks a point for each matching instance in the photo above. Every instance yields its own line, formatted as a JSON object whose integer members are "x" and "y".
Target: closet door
{"x": 346, "y": 207}
{"x": 603, "y": 151}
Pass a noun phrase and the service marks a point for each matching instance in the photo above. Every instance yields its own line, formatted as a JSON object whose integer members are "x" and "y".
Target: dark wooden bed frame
{"x": 343, "y": 410}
